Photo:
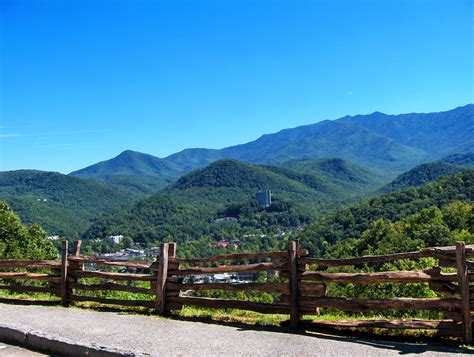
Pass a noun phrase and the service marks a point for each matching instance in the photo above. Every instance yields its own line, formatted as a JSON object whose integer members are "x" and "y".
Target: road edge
{"x": 56, "y": 346}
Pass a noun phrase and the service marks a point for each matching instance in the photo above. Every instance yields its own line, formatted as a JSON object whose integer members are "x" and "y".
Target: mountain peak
{"x": 132, "y": 153}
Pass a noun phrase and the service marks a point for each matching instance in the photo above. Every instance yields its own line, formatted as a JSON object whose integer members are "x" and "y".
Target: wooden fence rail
{"x": 299, "y": 284}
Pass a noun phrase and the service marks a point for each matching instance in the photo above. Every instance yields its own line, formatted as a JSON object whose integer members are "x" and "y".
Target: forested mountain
{"x": 431, "y": 171}
{"x": 193, "y": 206}
{"x": 141, "y": 173}
{"x": 293, "y": 163}
{"x": 334, "y": 170}
{"x": 350, "y": 222}
{"x": 436, "y": 134}
{"x": 466, "y": 159}
{"x": 61, "y": 204}
{"x": 389, "y": 144}
{"x": 422, "y": 174}
{"x": 328, "y": 139}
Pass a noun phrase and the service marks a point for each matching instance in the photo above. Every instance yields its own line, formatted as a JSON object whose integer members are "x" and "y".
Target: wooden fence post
{"x": 463, "y": 281}
{"x": 293, "y": 283}
{"x": 64, "y": 267}
{"x": 76, "y": 252}
{"x": 172, "y": 250}
{"x": 172, "y": 266}
{"x": 160, "y": 300}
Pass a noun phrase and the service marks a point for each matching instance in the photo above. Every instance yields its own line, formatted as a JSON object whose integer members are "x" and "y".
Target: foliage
{"x": 431, "y": 226}
{"x": 350, "y": 222}
{"x": 190, "y": 212}
{"x": 62, "y": 205}
{"x": 20, "y": 242}
{"x": 422, "y": 174}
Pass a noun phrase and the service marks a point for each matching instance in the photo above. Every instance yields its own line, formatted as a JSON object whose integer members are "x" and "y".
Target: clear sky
{"x": 83, "y": 80}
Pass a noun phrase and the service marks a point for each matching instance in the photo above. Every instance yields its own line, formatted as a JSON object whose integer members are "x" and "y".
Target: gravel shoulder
{"x": 146, "y": 335}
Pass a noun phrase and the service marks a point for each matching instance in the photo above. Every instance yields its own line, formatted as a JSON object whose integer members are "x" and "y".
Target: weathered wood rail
{"x": 297, "y": 283}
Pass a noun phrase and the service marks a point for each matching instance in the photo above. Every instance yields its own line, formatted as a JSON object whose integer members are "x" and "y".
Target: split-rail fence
{"x": 162, "y": 284}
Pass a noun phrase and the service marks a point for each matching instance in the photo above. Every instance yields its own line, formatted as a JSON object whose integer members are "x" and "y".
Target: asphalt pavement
{"x": 140, "y": 335}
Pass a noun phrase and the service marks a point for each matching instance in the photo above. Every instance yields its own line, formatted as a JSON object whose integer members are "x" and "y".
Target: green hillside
{"x": 61, "y": 204}
{"x": 140, "y": 173}
{"x": 339, "y": 173}
{"x": 466, "y": 159}
{"x": 430, "y": 227}
{"x": 190, "y": 209}
{"x": 422, "y": 174}
{"x": 350, "y": 222}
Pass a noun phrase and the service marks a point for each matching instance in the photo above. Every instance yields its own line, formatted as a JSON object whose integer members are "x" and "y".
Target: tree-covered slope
{"x": 422, "y": 174}
{"x": 430, "y": 227}
{"x": 135, "y": 171}
{"x": 466, "y": 159}
{"x": 329, "y": 139}
{"x": 437, "y": 134}
{"x": 191, "y": 159}
{"x": 350, "y": 222}
{"x": 336, "y": 170}
{"x": 191, "y": 208}
{"x": 61, "y": 204}
{"x": 389, "y": 144}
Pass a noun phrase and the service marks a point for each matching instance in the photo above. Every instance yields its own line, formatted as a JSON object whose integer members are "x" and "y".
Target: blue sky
{"x": 82, "y": 81}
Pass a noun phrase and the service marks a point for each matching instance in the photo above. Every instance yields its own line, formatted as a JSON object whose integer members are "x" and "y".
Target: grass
{"x": 231, "y": 315}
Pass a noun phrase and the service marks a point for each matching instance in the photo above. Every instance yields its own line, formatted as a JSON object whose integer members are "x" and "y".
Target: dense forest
{"x": 352, "y": 221}
{"x": 431, "y": 226}
{"x": 422, "y": 174}
{"x": 62, "y": 205}
{"x": 320, "y": 201}
{"x": 192, "y": 209}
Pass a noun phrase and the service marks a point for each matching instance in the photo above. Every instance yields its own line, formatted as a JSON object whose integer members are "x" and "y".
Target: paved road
{"x": 145, "y": 335}
{"x": 14, "y": 351}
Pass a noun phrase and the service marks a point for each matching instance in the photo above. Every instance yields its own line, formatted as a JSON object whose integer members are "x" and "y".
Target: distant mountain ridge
{"x": 388, "y": 144}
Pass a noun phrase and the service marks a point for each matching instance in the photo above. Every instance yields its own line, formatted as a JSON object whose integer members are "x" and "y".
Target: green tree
{"x": 20, "y": 242}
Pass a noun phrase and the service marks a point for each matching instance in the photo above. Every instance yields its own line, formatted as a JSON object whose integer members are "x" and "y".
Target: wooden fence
{"x": 166, "y": 284}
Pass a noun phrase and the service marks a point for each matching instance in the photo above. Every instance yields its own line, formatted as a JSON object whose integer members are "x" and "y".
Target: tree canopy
{"x": 18, "y": 241}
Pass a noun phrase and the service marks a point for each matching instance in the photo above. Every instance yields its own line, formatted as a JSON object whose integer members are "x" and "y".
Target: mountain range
{"x": 210, "y": 194}
{"x": 189, "y": 208}
{"x": 386, "y": 144}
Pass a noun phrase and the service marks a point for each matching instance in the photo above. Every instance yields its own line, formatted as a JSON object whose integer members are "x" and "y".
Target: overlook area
{"x": 236, "y": 178}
